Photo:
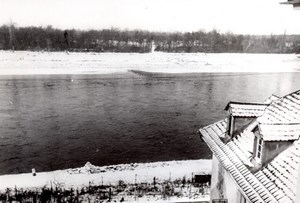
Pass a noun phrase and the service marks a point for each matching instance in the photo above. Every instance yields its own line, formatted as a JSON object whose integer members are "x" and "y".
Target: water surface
{"x": 59, "y": 121}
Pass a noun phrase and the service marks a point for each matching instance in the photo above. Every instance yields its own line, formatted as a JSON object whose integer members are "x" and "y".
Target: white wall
{"x": 222, "y": 185}
{"x": 214, "y": 192}
{"x": 231, "y": 189}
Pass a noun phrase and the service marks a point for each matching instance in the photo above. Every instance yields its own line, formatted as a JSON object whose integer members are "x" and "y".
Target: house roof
{"x": 276, "y": 132}
{"x": 276, "y": 181}
{"x": 245, "y": 109}
{"x": 272, "y": 98}
{"x": 284, "y": 110}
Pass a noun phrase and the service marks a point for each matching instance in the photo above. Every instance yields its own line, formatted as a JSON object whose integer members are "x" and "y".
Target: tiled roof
{"x": 233, "y": 163}
{"x": 277, "y": 181}
{"x": 246, "y": 109}
{"x": 273, "y": 132}
{"x": 284, "y": 110}
{"x": 282, "y": 172}
{"x": 272, "y": 98}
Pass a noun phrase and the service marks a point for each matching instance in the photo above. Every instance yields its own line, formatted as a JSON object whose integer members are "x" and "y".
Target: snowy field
{"x": 24, "y": 62}
{"x": 132, "y": 175}
{"x": 76, "y": 177}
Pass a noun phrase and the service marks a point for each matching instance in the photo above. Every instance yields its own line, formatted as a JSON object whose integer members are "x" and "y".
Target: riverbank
{"x": 137, "y": 172}
{"x": 45, "y": 63}
{"x": 138, "y": 182}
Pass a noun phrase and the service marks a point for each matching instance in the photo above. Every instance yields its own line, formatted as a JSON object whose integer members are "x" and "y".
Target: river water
{"x": 53, "y": 122}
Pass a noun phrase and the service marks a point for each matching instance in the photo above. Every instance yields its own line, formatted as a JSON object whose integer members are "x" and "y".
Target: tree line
{"x": 116, "y": 40}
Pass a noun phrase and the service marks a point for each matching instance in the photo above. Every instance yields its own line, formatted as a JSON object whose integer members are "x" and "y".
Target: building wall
{"x": 273, "y": 149}
{"x": 270, "y": 149}
{"x": 214, "y": 191}
{"x": 237, "y": 124}
{"x": 231, "y": 190}
{"x": 222, "y": 185}
{"x": 240, "y": 123}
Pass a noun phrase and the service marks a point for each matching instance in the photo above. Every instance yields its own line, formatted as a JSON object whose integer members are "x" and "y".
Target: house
{"x": 256, "y": 152}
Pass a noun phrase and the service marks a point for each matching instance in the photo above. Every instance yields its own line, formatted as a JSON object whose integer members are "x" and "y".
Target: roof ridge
{"x": 297, "y": 91}
{"x": 275, "y": 95}
{"x": 245, "y": 103}
{"x": 278, "y": 123}
{"x": 254, "y": 103}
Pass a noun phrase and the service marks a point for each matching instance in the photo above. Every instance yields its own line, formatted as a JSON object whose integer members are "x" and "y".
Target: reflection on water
{"x": 54, "y": 122}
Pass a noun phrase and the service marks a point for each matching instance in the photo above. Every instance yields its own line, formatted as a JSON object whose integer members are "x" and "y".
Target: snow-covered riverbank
{"x": 28, "y": 63}
{"x": 130, "y": 173}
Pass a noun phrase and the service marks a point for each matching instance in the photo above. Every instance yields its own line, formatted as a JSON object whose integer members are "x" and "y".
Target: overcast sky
{"x": 237, "y": 16}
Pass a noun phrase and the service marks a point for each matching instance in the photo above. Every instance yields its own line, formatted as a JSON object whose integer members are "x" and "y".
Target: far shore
{"x": 60, "y": 63}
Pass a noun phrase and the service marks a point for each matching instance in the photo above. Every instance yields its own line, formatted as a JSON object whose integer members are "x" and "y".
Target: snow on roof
{"x": 283, "y": 132}
{"x": 284, "y": 110}
{"x": 277, "y": 181}
{"x": 246, "y": 109}
{"x": 226, "y": 153}
{"x": 282, "y": 172}
{"x": 272, "y": 98}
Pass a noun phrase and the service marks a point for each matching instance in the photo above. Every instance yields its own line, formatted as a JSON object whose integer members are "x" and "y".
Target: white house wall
{"x": 214, "y": 192}
{"x": 222, "y": 185}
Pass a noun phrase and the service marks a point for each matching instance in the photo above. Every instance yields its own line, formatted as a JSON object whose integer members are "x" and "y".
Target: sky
{"x": 236, "y": 16}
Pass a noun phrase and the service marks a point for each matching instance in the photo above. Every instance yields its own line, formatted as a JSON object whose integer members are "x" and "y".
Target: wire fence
{"x": 119, "y": 192}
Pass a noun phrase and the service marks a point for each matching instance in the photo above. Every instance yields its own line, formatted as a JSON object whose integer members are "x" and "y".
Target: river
{"x": 50, "y": 122}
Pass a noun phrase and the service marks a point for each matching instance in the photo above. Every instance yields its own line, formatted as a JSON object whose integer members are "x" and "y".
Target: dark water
{"x": 56, "y": 122}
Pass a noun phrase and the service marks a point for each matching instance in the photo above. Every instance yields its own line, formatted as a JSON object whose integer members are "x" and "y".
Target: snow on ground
{"x": 129, "y": 173}
{"x": 25, "y": 62}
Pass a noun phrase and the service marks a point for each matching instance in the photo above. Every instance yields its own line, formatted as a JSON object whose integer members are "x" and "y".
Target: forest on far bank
{"x": 141, "y": 41}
